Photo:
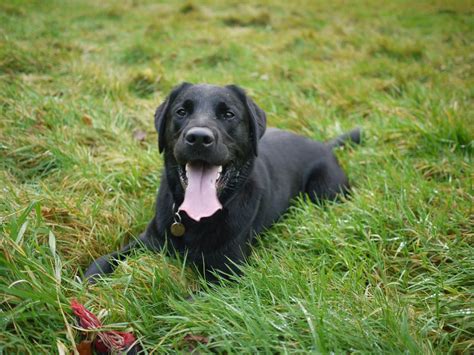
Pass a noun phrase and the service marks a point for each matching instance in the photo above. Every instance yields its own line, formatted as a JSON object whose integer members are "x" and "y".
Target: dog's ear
{"x": 162, "y": 112}
{"x": 258, "y": 118}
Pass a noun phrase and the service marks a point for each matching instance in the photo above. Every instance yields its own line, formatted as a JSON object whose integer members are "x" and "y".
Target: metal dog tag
{"x": 177, "y": 229}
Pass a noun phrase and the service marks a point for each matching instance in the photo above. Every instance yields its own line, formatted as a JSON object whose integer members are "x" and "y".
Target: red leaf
{"x": 111, "y": 340}
{"x": 87, "y": 319}
{"x": 114, "y": 340}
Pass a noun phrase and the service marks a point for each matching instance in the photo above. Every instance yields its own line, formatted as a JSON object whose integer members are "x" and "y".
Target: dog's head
{"x": 209, "y": 135}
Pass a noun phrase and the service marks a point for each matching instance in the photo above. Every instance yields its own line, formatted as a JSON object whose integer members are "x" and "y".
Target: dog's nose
{"x": 199, "y": 136}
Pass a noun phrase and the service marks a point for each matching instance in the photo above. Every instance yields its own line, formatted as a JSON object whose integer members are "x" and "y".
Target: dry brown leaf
{"x": 193, "y": 340}
{"x": 87, "y": 120}
{"x": 55, "y": 214}
{"x": 85, "y": 347}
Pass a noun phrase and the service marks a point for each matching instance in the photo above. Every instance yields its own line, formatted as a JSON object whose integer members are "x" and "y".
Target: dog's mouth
{"x": 221, "y": 178}
{"x": 202, "y": 184}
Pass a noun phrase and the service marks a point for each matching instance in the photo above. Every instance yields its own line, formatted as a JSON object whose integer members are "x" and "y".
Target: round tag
{"x": 177, "y": 229}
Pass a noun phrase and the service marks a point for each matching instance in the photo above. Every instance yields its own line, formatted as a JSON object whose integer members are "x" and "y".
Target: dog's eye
{"x": 181, "y": 112}
{"x": 228, "y": 115}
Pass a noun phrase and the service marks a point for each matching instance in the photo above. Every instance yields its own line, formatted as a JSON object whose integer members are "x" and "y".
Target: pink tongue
{"x": 200, "y": 197}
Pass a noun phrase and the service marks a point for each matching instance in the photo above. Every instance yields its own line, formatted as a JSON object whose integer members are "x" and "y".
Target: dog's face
{"x": 210, "y": 133}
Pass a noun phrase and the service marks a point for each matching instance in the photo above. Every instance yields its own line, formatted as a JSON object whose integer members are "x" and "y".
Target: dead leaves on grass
{"x": 192, "y": 341}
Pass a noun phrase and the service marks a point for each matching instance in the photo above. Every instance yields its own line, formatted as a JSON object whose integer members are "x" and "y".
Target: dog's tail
{"x": 353, "y": 136}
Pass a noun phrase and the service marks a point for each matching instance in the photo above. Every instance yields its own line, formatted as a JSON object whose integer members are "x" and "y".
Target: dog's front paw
{"x": 101, "y": 266}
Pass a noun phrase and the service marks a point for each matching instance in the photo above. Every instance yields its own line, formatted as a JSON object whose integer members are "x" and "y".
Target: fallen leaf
{"x": 139, "y": 135}
{"x": 84, "y": 347}
{"x": 193, "y": 340}
{"x": 87, "y": 120}
{"x": 55, "y": 214}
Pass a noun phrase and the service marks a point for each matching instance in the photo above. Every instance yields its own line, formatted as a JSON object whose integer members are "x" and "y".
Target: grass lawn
{"x": 389, "y": 271}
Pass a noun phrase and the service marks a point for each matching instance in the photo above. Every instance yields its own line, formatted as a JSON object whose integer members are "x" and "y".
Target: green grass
{"x": 390, "y": 271}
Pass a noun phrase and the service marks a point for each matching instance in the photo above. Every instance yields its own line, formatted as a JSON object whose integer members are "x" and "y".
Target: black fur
{"x": 265, "y": 170}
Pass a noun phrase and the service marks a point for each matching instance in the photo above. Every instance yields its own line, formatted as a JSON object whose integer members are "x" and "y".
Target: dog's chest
{"x": 199, "y": 239}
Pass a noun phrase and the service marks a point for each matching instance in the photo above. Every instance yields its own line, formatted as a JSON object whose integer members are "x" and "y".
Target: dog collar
{"x": 177, "y": 228}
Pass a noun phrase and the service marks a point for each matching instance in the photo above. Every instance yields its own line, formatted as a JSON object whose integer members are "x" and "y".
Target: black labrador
{"x": 227, "y": 178}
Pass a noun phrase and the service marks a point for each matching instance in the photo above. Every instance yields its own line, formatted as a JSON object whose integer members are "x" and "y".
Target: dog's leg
{"x": 325, "y": 180}
{"x": 107, "y": 263}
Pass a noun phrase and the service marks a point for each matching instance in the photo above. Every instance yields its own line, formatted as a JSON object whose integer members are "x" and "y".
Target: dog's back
{"x": 289, "y": 165}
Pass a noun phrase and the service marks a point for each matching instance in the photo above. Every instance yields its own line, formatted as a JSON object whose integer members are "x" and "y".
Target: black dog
{"x": 226, "y": 179}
